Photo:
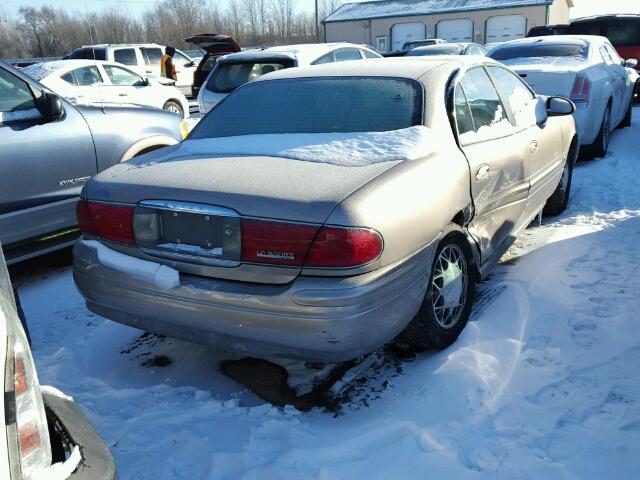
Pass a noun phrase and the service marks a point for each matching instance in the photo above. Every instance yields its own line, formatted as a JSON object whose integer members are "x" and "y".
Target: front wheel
{"x": 173, "y": 107}
{"x": 447, "y": 303}
{"x": 558, "y": 201}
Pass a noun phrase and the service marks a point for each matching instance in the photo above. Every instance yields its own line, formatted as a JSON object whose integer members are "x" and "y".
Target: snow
{"x": 344, "y": 149}
{"x": 542, "y": 384}
{"x": 160, "y": 275}
{"x": 60, "y": 470}
{"x": 38, "y": 71}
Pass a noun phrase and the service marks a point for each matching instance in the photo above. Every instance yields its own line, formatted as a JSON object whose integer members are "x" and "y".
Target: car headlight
{"x": 27, "y": 430}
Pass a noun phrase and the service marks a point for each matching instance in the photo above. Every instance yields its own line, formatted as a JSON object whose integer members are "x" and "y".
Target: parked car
{"x": 215, "y": 45}
{"x": 236, "y": 69}
{"x": 585, "y": 68}
{"x": 623, "y": 31}
{"x": 545, "y": 30}
{"x": 49, "y": 150}
{"x": 143, "y": 58}
{"x": 407, "y": 46}
{"x": 88, "y": 81}
{"x": 448, "y": 49}
{"x": 41, "y": 426}
{"x": 318, "y": 212}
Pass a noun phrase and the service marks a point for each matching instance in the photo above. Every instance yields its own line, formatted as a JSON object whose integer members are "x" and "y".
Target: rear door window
{"x": 463, "y": 113}
{"x": 126, "y": 56}
{"x": 229, "y": 76}
{"x": 361, "y": 104}
{"x": 151, "y": 56}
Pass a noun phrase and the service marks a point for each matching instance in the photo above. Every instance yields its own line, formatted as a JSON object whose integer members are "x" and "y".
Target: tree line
{"x": 50, "y": 31}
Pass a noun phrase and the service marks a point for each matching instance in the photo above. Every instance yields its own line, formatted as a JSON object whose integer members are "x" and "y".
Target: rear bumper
{"x": 311, "y": 318}
{"x": 97, "y": 462}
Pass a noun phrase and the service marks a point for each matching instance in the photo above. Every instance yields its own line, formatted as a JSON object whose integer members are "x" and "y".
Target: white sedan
{"x": 586, "y": 69}
{"x": 90, "y": 82}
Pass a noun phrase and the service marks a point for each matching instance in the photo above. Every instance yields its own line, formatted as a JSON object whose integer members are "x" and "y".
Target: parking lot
{"x": 541, "y": 384}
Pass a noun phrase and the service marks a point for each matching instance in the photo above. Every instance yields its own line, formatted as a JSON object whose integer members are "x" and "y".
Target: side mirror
{"x": 559, "y": 106}
{"x": 541, "y": 113}
{"x": 50, "y": 106}
{"x": 631, "y": 63}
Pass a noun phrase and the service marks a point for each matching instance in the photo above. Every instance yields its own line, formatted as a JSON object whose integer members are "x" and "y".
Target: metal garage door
{"x": 455, "y": 30}
{"x": 407, "y": 32}
{"x": 506, "y": 27}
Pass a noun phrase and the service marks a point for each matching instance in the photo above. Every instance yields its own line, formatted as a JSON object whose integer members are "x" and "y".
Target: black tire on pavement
{"x": 559, "y": 199}
{"x": 173, "y": 106}
{"x": 426, "y": 330}
{"x": 600, "y": 147}
{"x": 628, "y": 117}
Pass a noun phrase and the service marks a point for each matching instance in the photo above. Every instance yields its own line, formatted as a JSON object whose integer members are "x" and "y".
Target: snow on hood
{"x": 344, "y": 149}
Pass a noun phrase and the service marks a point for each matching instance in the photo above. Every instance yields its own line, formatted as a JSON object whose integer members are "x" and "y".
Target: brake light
{"x": 336, "y": 247}
{"x": 581, "y": 91}
{"x": 111, "y": 222}
{"x": 276, "y": 243}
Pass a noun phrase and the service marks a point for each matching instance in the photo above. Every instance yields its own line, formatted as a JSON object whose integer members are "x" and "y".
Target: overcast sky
{"x": 582, "y": 7}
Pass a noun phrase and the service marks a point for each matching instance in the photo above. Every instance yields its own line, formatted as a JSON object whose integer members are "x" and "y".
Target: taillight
{"x": 275, "y": 243}
{"x": 297, "y": 245}
{"x": 581, "y": 91}
{"x": 111, "y": 222}
{"x": 337, "y": 247}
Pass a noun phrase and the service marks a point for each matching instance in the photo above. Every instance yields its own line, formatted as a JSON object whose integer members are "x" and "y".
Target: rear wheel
{"x": 600, "y": 147}
{"x": 626, "y": 121}
{"x": 174, "y": 107}
{"x": 447, "y": 303}
{"x": 558, "y": 201}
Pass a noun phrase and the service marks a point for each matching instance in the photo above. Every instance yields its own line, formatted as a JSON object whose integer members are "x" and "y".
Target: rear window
{"x": 88, "y": 54}
{"x": 435, "y": 50}
{"x": 330, "y": 105}
{"x": 621, "y": 32}
{"x": 541, "y": 50}
{"x": 229, "y": 76}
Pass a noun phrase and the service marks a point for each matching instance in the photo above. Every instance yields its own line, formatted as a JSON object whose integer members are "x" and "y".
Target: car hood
{"x": 257, "y": 186}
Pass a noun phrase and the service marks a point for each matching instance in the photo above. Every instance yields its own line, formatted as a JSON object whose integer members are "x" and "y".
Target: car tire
{"x": 626, "y": 121}
{"x": 558, "y": 201}
{"x": 173, "y": 107}
{"x": 636, "y": 93}
{"x": 438, "y": 323}
{"x": 600, "y": 147}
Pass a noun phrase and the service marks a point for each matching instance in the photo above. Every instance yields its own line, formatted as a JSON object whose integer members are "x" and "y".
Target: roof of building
{"x": 400, "y": 8}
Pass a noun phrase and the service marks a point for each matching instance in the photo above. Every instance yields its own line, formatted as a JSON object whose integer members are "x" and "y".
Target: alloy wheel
{"x": 449, "y": 286}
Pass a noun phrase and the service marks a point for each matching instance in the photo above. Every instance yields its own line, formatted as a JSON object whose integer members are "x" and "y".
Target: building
{"x": 388, "y": 24}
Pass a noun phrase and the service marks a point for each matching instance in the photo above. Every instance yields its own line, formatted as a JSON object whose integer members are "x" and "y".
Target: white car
{"x": 584, "y": 68}
{"x": 44, "y": 433}
{"x": 91, "y": 82}
{"x": 236, "y": 69}
{"x": 143, "y": 58}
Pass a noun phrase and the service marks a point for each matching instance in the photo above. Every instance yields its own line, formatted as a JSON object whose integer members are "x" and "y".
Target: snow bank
{"x": 343, "y": 149}
{"x": 151, "y": 272}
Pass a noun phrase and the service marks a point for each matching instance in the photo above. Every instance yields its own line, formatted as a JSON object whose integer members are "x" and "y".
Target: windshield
{"x": 436, "y": 50}
{"x": 541, "y": 50}
{"x": 621, "y": 32}
{"x": 330, "y": 105}
{"x": 229, "y": 76}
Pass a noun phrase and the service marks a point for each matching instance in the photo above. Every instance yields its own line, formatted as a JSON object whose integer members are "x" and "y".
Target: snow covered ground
{"x": 542, "y": 384}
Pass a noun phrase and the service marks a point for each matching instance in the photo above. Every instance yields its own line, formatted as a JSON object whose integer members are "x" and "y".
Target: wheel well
{"x": 148, "y": 149}
{"x": 458, "y": 219}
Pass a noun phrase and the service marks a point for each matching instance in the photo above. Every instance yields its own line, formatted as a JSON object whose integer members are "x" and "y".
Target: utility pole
{"x": 317, "y": 26}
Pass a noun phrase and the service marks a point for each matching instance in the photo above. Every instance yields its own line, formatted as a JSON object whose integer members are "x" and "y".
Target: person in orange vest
{"x": 167, "y": 68}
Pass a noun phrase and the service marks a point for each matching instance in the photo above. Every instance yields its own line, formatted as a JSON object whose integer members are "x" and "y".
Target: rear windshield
{"x": 330, "y": 105}
{"x": 540, "y": 50}
{"x": 418, "y": 43}
{"x": 229, "y": 76}
{"x": 622, "y": 32}
{"x": 88, "y": 54}
{"x": 435, "y": 50}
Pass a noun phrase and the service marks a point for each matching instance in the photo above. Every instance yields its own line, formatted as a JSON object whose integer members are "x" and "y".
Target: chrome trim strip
{"x": 190, "y": 207}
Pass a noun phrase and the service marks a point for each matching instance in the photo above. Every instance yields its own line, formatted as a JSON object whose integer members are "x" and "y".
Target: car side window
{"x": 605, "y": 56}
{"x": 368, "y": 54}
{"x": 489, "y": 116}
{"x": 126, "y": 56}
{"x": 615, "y": 58}
{"x": 16, "y": 99}
{"x": 327, "y": 58}
{"x": 517, "y": 94}
{"x": 345, "y": 54}
{"x": 122, "y": 77}
{"x": 87, "y": 76}
{"x": 151, "y": 56}
{"x": 463, "y": 113}
{"x": 69, "y": 78}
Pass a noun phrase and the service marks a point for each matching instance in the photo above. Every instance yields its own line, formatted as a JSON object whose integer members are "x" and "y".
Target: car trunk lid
{"x": 554, "y": 78}
{"x": 214, "y": 43}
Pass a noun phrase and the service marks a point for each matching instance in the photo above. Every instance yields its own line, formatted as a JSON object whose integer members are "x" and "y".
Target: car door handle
{"x": 483, "y": 172}
{"x": 533, "y": 146}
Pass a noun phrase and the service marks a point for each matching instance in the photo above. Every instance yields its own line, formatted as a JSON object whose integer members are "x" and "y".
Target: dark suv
{"x": 215, "y": 45}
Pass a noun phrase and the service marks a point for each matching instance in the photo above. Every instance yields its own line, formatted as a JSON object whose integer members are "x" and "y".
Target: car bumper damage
{"x": 312, "y": 318}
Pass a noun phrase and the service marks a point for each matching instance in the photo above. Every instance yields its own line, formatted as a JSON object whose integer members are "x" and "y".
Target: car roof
{"x": 606, "y": 16}
{"x": 305, "y": 53}
{"x": 57, "y": 65}
{"x": 397, "y": 67}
